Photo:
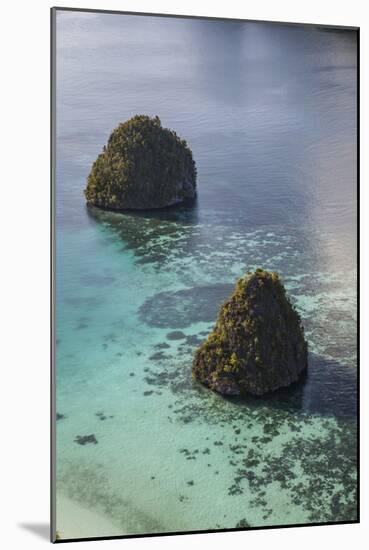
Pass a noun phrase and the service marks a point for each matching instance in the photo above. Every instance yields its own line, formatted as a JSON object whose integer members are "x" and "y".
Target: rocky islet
{"x": 257, "y": 344}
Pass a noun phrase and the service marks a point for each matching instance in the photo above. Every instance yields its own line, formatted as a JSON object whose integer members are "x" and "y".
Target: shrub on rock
{"x": 143, "y": 166}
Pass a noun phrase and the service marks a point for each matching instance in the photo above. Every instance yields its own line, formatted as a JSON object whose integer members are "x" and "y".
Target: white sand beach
{"x": 75, "y": 521}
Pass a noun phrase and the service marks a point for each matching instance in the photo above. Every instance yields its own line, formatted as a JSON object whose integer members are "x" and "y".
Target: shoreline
{"x": 75, "y": 521}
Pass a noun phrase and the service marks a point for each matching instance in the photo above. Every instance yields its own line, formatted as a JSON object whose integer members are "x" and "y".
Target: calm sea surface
{"x": 270, "y": 114}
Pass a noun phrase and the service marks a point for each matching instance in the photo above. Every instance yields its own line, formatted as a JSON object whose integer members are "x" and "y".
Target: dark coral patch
{"x": 181, "y": 308}
{"x": 243, "y": 524}
{"x": 85, "y": 439}
{"x": 176, "y": 335}
{"x": 162, "y": 345}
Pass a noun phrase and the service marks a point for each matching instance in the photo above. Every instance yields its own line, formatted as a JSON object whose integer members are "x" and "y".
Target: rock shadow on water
{"x": 326, "y": 388}
{"x": 185, "y": 212}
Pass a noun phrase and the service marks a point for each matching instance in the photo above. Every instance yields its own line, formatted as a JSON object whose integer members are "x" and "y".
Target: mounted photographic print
{"x": 204, "y": 319}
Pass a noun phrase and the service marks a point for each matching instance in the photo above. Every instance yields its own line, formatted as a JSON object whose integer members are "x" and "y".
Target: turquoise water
{"x": 269, "y": 112}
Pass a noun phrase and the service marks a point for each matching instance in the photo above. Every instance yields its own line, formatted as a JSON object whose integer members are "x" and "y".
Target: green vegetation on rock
{"x": 142, "y": 166}
{"x": 257, "y": 344}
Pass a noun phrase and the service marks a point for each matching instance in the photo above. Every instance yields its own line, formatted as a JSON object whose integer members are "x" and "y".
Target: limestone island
{"x": 257, "y": 344}
{"x": 143, "y": 166}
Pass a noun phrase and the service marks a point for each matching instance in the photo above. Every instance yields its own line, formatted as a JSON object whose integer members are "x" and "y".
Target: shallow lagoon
{"x": 269, "y": 112}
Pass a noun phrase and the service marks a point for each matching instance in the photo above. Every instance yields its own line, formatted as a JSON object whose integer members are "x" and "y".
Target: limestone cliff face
{"x": 257, "y": 344}
{"x": 143, "y": 166}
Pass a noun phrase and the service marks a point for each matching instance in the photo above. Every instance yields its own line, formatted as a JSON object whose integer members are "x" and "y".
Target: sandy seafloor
{"x": 136, "y": 293}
